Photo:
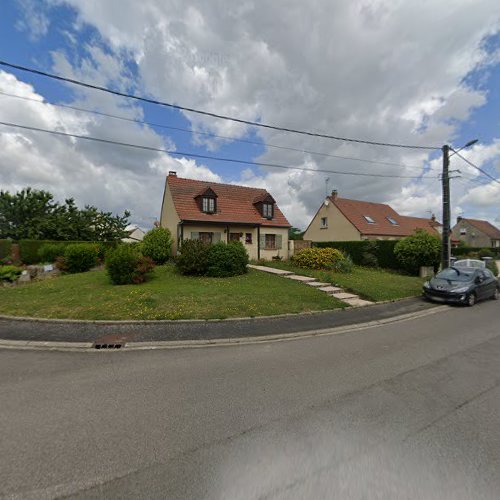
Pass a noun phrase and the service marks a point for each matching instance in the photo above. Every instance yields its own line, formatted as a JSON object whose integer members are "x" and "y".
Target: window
{"x": 324, "y": 222}
{"x": 206, "y": 238}
{"x": 463, "y": 231}
{"x": 369, "y": 219}
{"x": 392, "y": 221}
{"x": 234, "y": 236}
{"x": 270, "y": 242}
{"x": 248, "y": 238}
{"x": 267, "y": 210}
{"x": 208, "y": 205}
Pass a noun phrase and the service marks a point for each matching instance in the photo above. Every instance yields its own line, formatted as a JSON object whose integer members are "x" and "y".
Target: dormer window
{"x": 267, "y": 210}
{"x": 208, "y": 204}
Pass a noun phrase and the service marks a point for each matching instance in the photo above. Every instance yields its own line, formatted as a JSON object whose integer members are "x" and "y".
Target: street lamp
{"x": 445, "y": 248}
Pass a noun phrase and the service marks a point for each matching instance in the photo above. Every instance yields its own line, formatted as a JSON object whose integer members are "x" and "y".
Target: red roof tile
{"x": 235, "y": 204}
{"x": 355, "y": 211}
{"x": 485, "y": 227}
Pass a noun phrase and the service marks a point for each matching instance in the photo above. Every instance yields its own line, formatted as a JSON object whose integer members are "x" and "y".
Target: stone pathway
{"x": 335, "y": 291}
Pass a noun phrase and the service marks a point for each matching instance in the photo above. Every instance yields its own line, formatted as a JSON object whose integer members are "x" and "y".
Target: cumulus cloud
{"x": 368, "y": 69}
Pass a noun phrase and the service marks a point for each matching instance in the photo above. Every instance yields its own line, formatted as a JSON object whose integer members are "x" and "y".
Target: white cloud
{"x": 33, "y": 20}
{"x": 369, "y": 69}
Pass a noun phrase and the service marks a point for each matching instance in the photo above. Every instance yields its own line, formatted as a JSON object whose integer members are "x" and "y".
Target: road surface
{"x": 406, "y": 410}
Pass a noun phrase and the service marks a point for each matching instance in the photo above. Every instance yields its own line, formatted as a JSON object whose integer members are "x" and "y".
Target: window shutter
{"x": 216, "y": 237}
{"x": 262, "y": 241}
{"x": 195, "y": 235}
{"x": 279, "y": 241}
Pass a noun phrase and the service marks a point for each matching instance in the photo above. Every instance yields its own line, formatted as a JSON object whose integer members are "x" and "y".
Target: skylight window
{"x": 393, "y": 221}
{"x": 369, "y": 219}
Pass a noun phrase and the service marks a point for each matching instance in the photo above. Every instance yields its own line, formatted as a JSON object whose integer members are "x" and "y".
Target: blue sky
{"x": 347, "y": 69}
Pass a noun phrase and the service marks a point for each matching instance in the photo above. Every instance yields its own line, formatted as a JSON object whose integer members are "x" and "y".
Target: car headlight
{"x": 427, "y": 284}
{"x": 461, "y": 289}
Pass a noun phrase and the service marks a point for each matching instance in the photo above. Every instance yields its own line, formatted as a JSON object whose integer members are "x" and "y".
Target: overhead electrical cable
{"x": 207, "y": 113}
{"x": 195, "y": 155}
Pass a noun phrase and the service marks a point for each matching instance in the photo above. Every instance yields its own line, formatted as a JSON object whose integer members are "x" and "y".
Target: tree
{"x": 419, "y": 249}
{"x": 33, "y": 214}
{"x": 157, "y": 244}
{"x": 295, "y": 234}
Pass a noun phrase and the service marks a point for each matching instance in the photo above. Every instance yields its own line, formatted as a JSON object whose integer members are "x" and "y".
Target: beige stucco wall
{"x": 339, "y": 228}
{"x": 283, "y": 251}
{"x": 473, "y": 238}
{"x": 168, "y": 217}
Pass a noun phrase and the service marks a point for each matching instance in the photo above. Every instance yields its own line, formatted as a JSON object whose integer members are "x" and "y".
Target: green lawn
{"x": 167, "y": 295}
{"x": 368, "y": 283}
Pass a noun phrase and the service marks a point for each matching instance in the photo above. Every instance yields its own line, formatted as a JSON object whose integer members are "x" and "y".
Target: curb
{"x": 173, "y": 344}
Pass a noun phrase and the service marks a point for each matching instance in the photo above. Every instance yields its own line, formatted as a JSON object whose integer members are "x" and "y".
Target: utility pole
{"x": 445, "y": 250}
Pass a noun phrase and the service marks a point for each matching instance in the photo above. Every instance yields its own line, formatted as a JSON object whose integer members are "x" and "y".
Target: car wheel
{"x": 471, "y": 299}
{"x": 496, "y": 295}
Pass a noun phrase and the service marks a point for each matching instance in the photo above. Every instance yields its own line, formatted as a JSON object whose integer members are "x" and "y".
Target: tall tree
{"x": 34, "y": 214}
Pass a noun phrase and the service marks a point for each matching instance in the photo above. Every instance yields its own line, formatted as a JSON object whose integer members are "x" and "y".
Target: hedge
{"x": 384, "y": 252}
{"x": 5, "y": 248}
{"x": 28, "y": 249}
{"x": 464, "y": 251}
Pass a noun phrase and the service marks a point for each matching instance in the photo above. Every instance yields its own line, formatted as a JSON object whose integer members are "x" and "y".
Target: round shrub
{"x": 126, "y": 266}
{"x": 157, "y": 244}
{"x": 49, "y": 252}
{"x": 419, "y": 249}
{"x": 226, "y": 260}
{"x": 323, "y": 258}
{"x": 80, "y": 257}
{"x": 193, "y": 258}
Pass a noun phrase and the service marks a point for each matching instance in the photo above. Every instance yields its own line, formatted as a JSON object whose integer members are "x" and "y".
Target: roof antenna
{"x": 327, "y": 180}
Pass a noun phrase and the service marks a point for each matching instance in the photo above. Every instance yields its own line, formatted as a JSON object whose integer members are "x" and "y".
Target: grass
{"x": 369, "y": 283}
{"x": 167, "y": 295}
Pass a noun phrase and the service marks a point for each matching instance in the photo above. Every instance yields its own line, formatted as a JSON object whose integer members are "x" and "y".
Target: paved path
{"x": 336, "y": 291}
{"x": 406, "y": 411}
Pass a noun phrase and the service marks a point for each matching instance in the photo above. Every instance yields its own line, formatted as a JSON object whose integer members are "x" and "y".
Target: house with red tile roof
{"x": 213, "y": 212}
{"x": 476, "y": 233}
{"x": 342, "y": 219}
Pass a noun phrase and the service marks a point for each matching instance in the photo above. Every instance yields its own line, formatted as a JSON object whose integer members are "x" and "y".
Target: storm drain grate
{"x": 108, "y": 346}
{"x": 113, "y": 341}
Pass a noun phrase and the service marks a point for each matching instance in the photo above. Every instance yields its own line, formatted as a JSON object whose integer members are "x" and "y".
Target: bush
{"x": 80, "y": 257}
{"x": 126, "y": 266}
{"x": 5, "y": 248}
{"x": 226, "y": 259}
{"x": 369, "y": 255}
{"x": 193, "y": 258}
{"x": 157, "y": 244}
{"x": 417, "y": 250}
{"x": 485, "y": 252}
{"x": 10, "y": 273}
{"x": 492, "y": 266}
{"x": 49, "y": 252}
{"x": 323, "y": 258}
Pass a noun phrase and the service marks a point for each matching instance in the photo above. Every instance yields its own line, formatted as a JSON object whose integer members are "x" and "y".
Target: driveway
{"x": 407, "y": 410}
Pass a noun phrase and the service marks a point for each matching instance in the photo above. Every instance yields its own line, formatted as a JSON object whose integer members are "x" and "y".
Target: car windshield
{"x": 452, "y": 274}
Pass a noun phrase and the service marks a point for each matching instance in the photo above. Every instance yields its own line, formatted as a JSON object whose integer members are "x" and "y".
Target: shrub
{"x": 10, "y": 273}
{"x": 5, "y": 248}
{"x": 492, "y": 266}
{"x": 369, "y": 255}
{"x": 126, "y": 266}
{"x": 193, "y": 258}
{"x": 80, "y": 257}
{"x": 485, "y": 252}
{"x": 417, "y": 250}
{"x": 322, "y": 258}
{"x": 226, "y": 259}
{"x": 157, "y": 244}
{"x": 49, "y": 252}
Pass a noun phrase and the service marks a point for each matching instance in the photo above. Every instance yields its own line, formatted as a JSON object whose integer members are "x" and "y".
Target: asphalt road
{"x": 407, "y": 410}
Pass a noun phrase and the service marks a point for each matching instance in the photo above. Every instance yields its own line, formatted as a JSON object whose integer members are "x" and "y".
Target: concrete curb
{"x": 167, "y": 344}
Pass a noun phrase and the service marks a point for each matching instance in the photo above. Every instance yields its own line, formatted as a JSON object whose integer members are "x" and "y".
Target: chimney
{"x": 334, "y": 194}
{"x": 433, "y": 217}
{"x": 172, "y": 173}
{"x": 459, "y": 218}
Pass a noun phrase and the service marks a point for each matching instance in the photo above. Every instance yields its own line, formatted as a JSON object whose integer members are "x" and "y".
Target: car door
{"x": 482, "y": 284}
{"x": 490, "y": 283}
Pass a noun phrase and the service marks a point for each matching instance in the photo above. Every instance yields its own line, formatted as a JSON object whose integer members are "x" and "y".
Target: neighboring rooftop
{"x": 379, "y": 219}
{"x": 235, "y": 204}
{"x": 483, "y": 226}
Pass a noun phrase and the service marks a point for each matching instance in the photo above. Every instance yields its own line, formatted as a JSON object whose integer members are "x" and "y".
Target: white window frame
{"x": 369, "y": 219}
{"x": 324, "y": 222}
{"x": 208, "y": 204}
{"x": 267, "y": 210}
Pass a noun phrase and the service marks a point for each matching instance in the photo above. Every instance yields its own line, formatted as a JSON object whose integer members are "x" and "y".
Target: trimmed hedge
{"x": 465, "y": 251}
{"x": 5, "y": 248}
{"x": 28, "y": 249}
{"x": 357, "y": 250}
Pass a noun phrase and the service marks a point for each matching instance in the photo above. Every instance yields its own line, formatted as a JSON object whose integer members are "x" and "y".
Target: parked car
{"x": 462, "y": 285}
{"x": 479, "y": 264}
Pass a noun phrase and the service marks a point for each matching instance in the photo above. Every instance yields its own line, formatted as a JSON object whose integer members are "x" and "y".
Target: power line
{"x": 476, "y": 167}
{"x": 207, "y": 113}
{"x": 195, "y": 132}
{"x": 194, "y": 155}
